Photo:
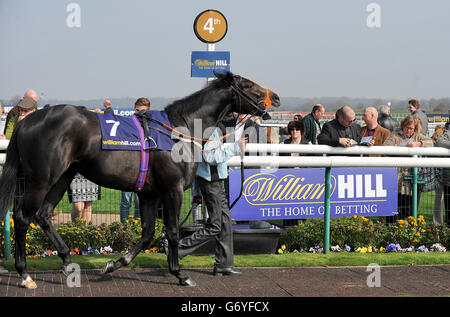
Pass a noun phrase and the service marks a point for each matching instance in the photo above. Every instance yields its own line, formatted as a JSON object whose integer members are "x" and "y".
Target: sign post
{"x": 210, "y": 26}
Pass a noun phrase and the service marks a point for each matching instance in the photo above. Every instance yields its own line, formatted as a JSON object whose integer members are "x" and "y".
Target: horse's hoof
{"x": 29, "y": 283}
{"x": 189, "y": 282}
{"x": 109, "y": 267}
{"x": 65, "y": 271}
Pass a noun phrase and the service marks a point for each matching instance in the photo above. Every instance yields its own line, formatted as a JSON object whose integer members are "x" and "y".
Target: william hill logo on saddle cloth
{"x": 121, "y": 133}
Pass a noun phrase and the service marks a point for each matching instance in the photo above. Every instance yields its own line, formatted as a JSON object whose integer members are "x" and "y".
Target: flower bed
{"x": 360, "y": 234}
{"x": 83, "y": 239}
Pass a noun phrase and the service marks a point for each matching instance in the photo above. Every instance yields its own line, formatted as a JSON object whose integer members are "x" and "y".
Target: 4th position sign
{"x": 210, "y": 26}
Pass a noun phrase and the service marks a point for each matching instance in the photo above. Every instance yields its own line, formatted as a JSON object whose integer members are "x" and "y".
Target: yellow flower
{"x": 382, "y": 249}
{"x": 280, "y": 251}
{"x": 283, "y": 247}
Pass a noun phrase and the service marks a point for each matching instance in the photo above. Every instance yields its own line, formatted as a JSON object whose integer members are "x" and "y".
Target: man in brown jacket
{"x": 372, "y": 132}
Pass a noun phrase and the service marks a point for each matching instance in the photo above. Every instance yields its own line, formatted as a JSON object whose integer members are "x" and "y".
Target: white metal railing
{"x": 437, "y": 156}
{"x": 355, "y": 150}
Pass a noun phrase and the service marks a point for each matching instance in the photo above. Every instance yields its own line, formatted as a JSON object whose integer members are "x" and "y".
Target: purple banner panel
{"x": 299, "y": 193}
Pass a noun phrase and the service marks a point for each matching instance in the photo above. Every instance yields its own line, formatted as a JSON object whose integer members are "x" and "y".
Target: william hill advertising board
{"x": 299, "y": 193}
{"x": 204, "y": 63}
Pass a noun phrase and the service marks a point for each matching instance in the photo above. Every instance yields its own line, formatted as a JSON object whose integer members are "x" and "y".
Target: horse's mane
{"x": 187, "y": 105}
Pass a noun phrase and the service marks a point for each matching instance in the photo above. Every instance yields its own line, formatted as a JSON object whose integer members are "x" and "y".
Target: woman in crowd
{"x": 81, "y": 194}
{"x": 296, "y": 130}
{"x": 409, "y": 134}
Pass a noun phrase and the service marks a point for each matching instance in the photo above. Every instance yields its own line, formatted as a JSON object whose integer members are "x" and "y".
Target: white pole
{"x": 210, "y": 47}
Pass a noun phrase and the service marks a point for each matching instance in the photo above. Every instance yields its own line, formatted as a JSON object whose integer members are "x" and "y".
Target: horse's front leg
{"x": 172, "y": 206}
{"x": 148, "y": 209}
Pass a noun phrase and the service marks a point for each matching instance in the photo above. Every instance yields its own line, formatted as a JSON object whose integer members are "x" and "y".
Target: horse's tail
{"x": 8, "y": 178}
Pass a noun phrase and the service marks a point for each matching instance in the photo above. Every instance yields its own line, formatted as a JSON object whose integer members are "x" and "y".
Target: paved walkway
{"x": 395, "y": 281}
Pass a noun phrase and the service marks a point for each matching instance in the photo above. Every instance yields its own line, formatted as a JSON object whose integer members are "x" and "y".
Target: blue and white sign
{"x": 203, "y": 63}
{"x": 299, "y": 193}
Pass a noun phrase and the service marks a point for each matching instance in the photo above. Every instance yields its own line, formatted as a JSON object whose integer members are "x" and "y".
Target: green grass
{"x": 260, "y": 260}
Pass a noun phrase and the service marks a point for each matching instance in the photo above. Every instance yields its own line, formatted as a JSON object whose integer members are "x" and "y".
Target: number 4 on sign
{"x": 209, "y": 25}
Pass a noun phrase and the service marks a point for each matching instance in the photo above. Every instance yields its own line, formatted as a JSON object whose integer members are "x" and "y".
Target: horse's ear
{"x": 227, "y": 76}
{"x": 218, "y": 75}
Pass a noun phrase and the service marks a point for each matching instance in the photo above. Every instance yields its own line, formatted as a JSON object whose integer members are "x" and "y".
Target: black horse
{"x": 51, "y": 145}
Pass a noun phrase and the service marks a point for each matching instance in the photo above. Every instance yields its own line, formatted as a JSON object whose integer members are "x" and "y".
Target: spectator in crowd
{"x": 341, "y": 131}
{"x": 82, "y": 192}
{"x": 312, "y": 123}
{"x": 414, "y": 108}
{"x": 272, "y": 135}
{"x": 372, "y": 130}
{"x": 409, "y": 134}
{"x": 107, "y": 106}
{"x": 385, "y": 119}
{"x": 444, "y": 141}
{"x": 126, "y": 199}
{"x": 212, "y": 171}
{"x": 298, "y": 117}
{"x": 296, "y": 130}
{"x": 438, "y": 131}
{"x": 26, "y": 105}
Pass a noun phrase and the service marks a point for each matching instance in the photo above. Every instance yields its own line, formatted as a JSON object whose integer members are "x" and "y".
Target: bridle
{"x": 254, "y": 103}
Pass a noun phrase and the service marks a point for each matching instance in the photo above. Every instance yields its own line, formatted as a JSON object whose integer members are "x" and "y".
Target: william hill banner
{"x": 299, "y": 193}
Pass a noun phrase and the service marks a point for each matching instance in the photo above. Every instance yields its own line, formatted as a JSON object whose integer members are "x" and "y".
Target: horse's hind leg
{"x": 148, "y": 208}
{"x": 45, "y": 213}
{"x": 172, "y": 204}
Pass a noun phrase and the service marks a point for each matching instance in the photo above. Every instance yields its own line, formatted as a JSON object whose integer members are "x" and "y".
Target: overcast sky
{"x": 296, "y": 48}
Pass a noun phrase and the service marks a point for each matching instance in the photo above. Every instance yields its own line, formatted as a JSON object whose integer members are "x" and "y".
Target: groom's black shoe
{"x": 226, "y": 271}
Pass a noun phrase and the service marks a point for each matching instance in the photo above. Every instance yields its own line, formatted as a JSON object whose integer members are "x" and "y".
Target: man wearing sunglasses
{"x": 341, "y": 131}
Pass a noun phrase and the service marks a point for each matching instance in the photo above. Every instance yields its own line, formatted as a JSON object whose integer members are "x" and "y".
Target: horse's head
{"x": 251, "y": 98}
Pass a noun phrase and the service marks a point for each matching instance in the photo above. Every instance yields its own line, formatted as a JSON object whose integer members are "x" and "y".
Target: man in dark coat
{"x": 312, "y": 124}
{"x": 385, "y": 119}
{"x": 341, "y": 131}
